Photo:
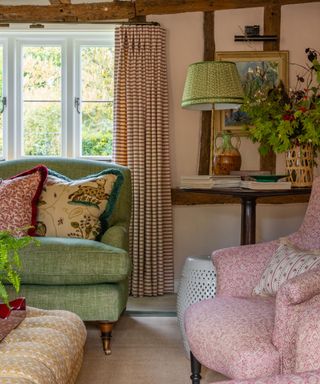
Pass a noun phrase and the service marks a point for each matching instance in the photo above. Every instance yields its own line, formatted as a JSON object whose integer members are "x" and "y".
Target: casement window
{"x": 56, "y": 94}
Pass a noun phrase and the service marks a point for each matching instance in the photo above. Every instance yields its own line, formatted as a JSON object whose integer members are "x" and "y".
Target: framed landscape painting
{"x": 257, "y": 70}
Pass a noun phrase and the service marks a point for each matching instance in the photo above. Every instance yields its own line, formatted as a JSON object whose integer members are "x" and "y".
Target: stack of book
{"x": 251, "y": 184}
{"x": 207, "y": 181}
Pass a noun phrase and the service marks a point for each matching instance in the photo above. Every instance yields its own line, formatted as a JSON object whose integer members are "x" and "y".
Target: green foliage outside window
{"x": 42, "y": 120}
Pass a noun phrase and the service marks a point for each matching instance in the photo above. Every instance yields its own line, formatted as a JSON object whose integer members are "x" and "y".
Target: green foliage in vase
{"x": 280, "y": 118}
{"x": 10, "y": 263}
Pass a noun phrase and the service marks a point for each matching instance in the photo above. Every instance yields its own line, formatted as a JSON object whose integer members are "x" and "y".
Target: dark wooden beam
{"x": 66, "y": 12}
{"x": 62, "y": 10}
{"x": 272, "y": 23}
{"x": 54, "y": 2}
{"x": 205, "y": 138}
{"x": 152, "y": 7}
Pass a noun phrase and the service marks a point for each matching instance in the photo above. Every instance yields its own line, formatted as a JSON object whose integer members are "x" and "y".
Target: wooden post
{"x": 272, "y": 22}
{"x": 205, "y": 140}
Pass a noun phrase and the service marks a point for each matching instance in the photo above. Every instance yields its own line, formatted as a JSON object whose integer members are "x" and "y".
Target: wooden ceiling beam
{"x": 63, "y": 10}
{"x": 54, "y": 2}
{"x": 157, "y": 7}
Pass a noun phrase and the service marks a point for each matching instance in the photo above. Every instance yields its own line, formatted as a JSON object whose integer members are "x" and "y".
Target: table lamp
{"x": 214, "y": 85}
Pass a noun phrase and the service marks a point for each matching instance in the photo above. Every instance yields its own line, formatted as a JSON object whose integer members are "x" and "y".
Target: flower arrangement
{"x": 280, "y": 118}
{"x": 10, "y": 264}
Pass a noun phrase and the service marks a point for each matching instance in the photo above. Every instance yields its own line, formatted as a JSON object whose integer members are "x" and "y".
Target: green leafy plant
{"x": 10, "y": 263}
{"x": 280, "y": 118}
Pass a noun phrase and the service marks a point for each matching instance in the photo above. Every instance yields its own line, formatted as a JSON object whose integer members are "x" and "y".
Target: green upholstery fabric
{"x": 87, "y": 277}
{"x": 73, "y": 261}
{"x": 104, "y": 302}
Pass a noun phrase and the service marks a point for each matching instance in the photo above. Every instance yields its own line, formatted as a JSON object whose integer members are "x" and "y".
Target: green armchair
{"x": 87, "y": 277}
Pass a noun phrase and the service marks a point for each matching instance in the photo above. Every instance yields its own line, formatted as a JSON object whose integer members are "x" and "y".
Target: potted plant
{"x": 289, "y": 120}
{"x": 10, "y": 266}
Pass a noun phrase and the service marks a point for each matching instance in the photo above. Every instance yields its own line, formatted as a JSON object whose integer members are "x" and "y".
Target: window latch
{"x": 77, "y": 104}
{"x": 3, "y": 104}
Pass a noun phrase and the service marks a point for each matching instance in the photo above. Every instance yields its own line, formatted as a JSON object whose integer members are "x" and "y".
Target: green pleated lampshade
{"x": 212, "y": 85}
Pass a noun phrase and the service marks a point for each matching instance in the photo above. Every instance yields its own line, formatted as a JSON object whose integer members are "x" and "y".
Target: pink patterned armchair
{"x": 309, "y": 377}
{"x": 244, "y": 336}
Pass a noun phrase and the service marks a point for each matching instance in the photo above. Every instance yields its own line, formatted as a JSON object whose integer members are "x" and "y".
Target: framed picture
{"x": 257, "y": 69}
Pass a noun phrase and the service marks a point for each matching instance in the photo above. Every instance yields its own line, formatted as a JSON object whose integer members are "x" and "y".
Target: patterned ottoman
{"x": 47, "y": 347}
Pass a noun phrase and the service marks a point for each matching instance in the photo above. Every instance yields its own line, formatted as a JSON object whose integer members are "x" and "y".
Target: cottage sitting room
{"x": 159, "y": 191}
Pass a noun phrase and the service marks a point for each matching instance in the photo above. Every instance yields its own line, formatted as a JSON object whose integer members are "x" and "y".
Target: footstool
{"x": 47, "y": 347}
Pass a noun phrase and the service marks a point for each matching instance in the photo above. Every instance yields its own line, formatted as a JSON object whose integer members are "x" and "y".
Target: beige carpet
{"x": 145, "y": 350}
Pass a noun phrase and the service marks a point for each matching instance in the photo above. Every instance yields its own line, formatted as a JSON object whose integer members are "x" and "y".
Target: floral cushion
{"x": 77, "y": 208}
{"x": 18, "y": 201}
{"x": 287, "y": 262}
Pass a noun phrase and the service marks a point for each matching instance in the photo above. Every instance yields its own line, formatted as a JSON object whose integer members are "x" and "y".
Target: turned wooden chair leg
{"x": 106, "y": 330}
{"x": 195, "y": 369}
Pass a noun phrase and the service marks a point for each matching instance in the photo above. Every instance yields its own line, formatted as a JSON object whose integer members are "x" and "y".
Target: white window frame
{"x": 4, "y": 45}
{"x": 78, "y": 43}
{"x": 50, "y": 42}
{"x": 70, "y": 42}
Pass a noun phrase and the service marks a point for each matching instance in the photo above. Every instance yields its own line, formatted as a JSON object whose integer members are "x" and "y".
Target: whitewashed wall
{"x": 199, "y": 230}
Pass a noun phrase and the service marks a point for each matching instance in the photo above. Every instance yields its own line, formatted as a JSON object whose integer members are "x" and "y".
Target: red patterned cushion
{"x": 18, "y": 200}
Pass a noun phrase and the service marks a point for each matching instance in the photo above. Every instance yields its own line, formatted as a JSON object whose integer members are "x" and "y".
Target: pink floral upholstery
{"x": 240, "y": 332}
{"x": 239, "y": 268}
{"x": 311, "y": 377}
{"x": 18, "y": 200}
{"x": 308, "y": 235}
{"x": 245, "y": 336}
{"x": 291, "y": 312}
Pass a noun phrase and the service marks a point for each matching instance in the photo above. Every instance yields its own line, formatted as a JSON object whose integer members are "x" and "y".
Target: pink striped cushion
{"x": 287, "y": 262}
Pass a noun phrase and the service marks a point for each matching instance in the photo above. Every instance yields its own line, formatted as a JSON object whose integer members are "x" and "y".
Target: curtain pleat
{"x": 141, "y": 141}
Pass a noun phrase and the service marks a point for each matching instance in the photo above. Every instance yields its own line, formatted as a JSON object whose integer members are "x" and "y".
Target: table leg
{"x": 248, "y": 220}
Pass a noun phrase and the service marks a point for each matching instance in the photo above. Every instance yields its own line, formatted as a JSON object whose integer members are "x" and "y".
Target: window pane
{"x": 42, "y": 73}
{"x": 97, "y": 73}
{"x": 97, "y": 126}
{"x": 97, "y": 100}
{"x": 42, "y": 128}
{"x": 42, "y": 101}
{"x": 1, "y": 106}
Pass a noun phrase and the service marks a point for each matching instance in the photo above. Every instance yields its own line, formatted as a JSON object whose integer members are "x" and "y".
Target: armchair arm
{"x": 308, "y": 339}
{"x": 301, "y": 378}
{"x": 301, "y": 288}
{"x": 293, "y": 301}
{"x": 117, "y": 236}
{"x": 240, "y": 268}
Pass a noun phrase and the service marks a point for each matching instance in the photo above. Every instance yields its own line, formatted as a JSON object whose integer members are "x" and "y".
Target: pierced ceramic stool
{"x": 198, "y": 282}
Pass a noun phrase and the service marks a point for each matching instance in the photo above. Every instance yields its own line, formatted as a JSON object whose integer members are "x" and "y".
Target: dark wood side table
{"x": 248, "y": 199}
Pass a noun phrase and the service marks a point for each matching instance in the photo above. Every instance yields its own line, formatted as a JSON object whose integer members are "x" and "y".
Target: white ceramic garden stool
{"x": 198, "y": 282}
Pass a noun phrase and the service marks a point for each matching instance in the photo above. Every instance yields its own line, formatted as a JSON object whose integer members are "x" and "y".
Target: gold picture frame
{"x": 269, "y": 67}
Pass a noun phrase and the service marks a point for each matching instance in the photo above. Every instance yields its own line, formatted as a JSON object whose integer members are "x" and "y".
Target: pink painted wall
{"x": 199, "y": 230}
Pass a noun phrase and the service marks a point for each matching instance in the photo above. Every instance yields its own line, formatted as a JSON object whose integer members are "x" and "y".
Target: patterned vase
{"x": 299, "y": 165}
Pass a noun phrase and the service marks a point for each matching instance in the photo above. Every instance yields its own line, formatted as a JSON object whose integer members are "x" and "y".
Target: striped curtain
{"x": 141, "y": 141}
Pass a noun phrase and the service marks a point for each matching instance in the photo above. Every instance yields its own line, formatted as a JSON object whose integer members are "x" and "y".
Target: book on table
{"x": 250, "y": 184}
{"x": 209, "y": 181}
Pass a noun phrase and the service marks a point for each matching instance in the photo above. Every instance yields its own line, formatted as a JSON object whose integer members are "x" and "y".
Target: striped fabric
{"x": 141, "y": 141}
